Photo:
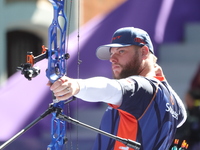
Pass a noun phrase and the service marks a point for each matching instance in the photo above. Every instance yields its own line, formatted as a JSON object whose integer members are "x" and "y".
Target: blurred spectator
{"x": 190, "y": 131}
{"x": 196, "y": 80}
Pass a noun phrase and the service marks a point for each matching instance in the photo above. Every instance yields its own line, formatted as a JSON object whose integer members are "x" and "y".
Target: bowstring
{"x": 78, "y": 66}
{"x": 67, "y": 46}
{"x": 78, "y": 70}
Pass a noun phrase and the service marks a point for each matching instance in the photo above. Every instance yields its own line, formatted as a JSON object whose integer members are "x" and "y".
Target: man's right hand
{"x": 64, "y": 88}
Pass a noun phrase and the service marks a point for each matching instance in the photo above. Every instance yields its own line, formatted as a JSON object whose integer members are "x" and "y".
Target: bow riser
{"x": 56, "y": 53}
{"x": 56, "y": 69}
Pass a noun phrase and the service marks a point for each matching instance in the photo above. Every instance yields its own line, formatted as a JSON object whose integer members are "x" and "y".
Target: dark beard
{"x": 130, "y": 69}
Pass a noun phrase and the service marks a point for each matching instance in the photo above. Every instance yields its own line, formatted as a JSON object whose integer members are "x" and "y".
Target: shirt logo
{"x": 109, "y": 108}
{"x": 124, "y": 148}
{"x": 171, "y": 111}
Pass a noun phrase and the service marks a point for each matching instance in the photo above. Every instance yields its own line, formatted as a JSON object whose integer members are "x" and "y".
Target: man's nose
{"x": 113, "y": 58}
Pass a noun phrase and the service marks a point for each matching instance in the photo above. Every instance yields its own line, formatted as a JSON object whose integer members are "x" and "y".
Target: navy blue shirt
{"x": 149, "y": 114}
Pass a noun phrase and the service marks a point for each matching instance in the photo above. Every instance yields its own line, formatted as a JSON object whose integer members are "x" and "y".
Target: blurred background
{"x": 173, "y": 25}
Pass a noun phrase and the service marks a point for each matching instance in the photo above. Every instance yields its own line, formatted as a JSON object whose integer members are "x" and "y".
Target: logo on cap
{"x": 139, "y": 40}
{"x": 116, "y": 37}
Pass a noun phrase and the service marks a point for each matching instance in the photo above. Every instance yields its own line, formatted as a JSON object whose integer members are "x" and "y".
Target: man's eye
{"x": 121, "y": 51}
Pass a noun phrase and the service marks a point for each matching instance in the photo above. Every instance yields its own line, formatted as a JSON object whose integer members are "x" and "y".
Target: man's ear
{"x": 145, "y": 52}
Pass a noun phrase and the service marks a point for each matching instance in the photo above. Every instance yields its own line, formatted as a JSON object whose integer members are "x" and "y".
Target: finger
{"x": 57, "y": 84}
{"x": 64, "y": 97}
{"x": 63, "y": 92}
{"x": 63, "y": 80}
{"x": 49, "y": 83}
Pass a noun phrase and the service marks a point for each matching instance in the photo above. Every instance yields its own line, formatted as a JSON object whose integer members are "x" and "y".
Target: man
{"x": 142, "y": 106}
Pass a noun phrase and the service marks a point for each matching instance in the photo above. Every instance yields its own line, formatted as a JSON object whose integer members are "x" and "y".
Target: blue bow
{"x": 56, "y": 69}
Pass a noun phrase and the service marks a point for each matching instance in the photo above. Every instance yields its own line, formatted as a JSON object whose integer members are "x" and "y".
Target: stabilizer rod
{"x": 47, "y": 112}
{"x": 127, "y": 142}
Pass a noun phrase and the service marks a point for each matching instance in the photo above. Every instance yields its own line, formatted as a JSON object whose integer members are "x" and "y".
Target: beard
{"x": 133, "y": 67}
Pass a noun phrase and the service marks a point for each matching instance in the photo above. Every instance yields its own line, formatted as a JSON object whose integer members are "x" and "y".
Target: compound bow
{"x": 56, "y": 69}
{"x": 55, "y": 53}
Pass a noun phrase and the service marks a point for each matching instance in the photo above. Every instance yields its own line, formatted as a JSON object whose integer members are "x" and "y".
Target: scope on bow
{"x": 29, "y": 70}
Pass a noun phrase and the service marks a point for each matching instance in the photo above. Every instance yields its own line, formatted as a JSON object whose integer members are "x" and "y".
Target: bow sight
{"x": 29, "y": 71}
